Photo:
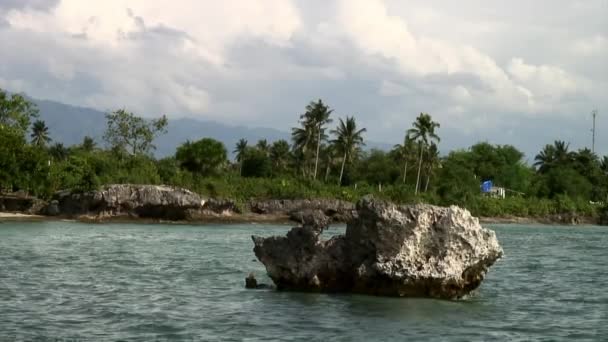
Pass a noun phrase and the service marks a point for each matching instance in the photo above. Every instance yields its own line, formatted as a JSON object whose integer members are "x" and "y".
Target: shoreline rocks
{"x": 337, "y": 210}
{"x": 389, "y": 250}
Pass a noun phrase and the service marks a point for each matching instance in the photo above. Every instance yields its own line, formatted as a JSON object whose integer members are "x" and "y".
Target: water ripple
{"x": 70, "y": 281}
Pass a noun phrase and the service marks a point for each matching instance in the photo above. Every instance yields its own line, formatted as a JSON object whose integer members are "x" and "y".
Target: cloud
{"x": 483, "y": 71}
{"x": 40, "y": 5}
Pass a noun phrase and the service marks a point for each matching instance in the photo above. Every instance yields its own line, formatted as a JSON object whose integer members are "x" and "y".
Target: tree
{"x": 457, "y": 182}
{"x": 432, "y": 162}
{"x": 132, "y": 133}
{"x": 316, "y": 117}
{"x": 203, "y": 157}
{"x": 12, "y": 145}
{"x": 423, "y": 131}
{"x": 16, "y": 112}
{"x": 240, "y": 148}
{"x": 279, "y": 155}
{"x": 553, "y": 155}
{"x": 263, "y": 146}
{"x": 302, "y": 137}
{"x": 404, "y": 153}
{"x": 256, "y": 163}
{"x": 377, "y": 167}
{"x": 40, "y": 134}
{"x": 88, "y": 144}
{"x": 348, "y": 141}
{"x": 58, "y": 152}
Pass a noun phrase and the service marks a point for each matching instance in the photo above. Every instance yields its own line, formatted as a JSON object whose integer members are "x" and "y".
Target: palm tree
{"x": 40, "y": 133}
{"x": 316, "y": 117}
{"x": 301, "y": 138}
{"x": 562, "y": 155}
{"x": 279, "y": 155}
{"x": 240, "y": 149}
{"x": 545, "y": 158}
{"x": 59, "y": 152}
{"x": 263, "y": 146}
{"x": 552, "y": 155}
{"x": 404, "y": 152}
{"x": 432, "y": 162}
{"x": 423, "y": 132}
{"x": 348, "y": 140}
{"x": 329, "y": 153}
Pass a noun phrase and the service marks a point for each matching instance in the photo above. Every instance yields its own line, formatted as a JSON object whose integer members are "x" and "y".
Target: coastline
{"x": 252, "y": 218}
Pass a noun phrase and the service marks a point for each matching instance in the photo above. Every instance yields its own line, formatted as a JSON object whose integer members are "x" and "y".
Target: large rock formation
{"x": 145, "y": 201}
{"x": 391, "y": 250}
{"x": 139, "y": 201}
{"x": 21, "y": 203}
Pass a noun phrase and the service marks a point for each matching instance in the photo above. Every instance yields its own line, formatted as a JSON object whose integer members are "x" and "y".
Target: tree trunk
{"x": 404, "y": 171}
{"x": 419, "y": 169}
{"x": 318, "y": 150}
{"x": 327, "y": 169}
{"x": 342, "y": 169}
{"x": 428, "y": 179}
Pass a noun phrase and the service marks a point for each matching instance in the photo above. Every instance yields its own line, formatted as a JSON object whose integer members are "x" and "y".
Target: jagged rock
{"x": 22, "y": 203}
{"x": 391, "y": 250}
{"x": 139, "y": 201}
{"x": 146, "y": 201}
{"x": 337, "y": 210}
{"x": 52, "y": 208}
{"x": 220, "y": 207}
{"x": 251, "y": 282}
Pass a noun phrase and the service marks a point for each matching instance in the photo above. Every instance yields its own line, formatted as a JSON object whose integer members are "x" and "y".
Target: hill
{"x": 70, "y": 124}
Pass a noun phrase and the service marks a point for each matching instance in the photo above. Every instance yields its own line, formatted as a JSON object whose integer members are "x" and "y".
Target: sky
{"x": 507, "y": 72}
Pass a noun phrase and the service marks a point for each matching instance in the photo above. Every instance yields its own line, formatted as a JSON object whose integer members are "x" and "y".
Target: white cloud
{"x": 259, "y": 62}
{"x": 591, "y": 46}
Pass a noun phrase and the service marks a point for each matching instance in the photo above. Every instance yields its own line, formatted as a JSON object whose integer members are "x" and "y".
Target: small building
{"x": 488, "y": 189}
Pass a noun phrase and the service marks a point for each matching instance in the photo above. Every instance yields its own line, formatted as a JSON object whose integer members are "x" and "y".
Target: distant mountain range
{"x": 70, "y": 124}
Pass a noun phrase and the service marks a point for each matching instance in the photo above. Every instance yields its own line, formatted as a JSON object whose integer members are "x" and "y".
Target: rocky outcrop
{"x": 337, "y": 210}
{"x": 391, "y": 250}
{"x": 21, "y": 203}
{"x": 144, "y": 201}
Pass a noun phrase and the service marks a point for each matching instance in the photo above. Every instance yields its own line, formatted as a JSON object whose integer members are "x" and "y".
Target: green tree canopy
{"x": 16, "y": 112}
{"x": 133, "y": 133}
{"x": 280, "y": 156}
{"x": 256, "y": 163}
{"x": 203, "y": 157}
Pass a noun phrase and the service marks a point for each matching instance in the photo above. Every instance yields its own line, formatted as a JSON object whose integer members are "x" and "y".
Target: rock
{"x": 53, "y": 208}
{"x": 146, "y": 201}
{"x": 139, "y": 201}
{"x": 315, "y": 219}
{"x": 390, "y": 250}
{"x": 337, "y": 210}
{"x": 22, "y": 203}
{"x": 220, "y": 207}
{"x": 251, "y": 282}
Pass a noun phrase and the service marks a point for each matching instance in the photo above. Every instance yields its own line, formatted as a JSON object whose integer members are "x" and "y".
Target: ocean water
{"x": 65, "y": 281}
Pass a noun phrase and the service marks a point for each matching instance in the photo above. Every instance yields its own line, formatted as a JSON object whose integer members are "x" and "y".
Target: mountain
{"x": 70, "y": 124}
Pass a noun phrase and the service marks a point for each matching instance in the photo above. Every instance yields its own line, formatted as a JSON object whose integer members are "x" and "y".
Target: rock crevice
{"x": 390, "y": 250}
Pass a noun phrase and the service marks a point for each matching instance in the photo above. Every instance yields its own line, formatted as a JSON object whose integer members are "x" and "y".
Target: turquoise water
{"x": 62, "y": 281}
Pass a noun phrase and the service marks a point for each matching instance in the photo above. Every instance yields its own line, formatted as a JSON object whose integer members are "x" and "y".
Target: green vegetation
{"x": 319, "y": 162}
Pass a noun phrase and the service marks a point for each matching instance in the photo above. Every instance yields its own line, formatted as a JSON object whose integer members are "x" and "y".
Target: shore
{"x": 256, "y": 219}
{"x": 9, "y": 216}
